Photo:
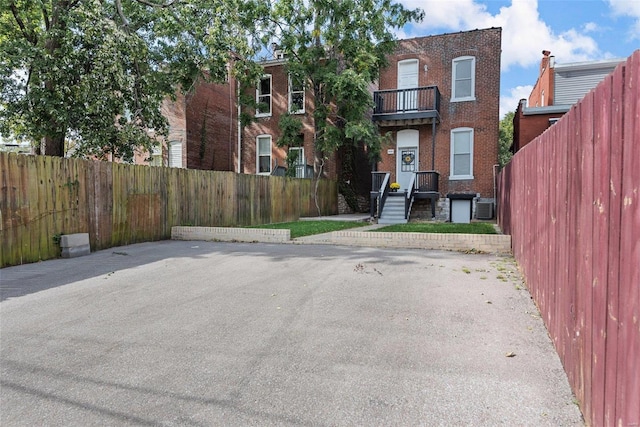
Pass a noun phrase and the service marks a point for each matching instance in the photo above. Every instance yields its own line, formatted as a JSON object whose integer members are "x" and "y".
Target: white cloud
{"x": 591, "y": 27}
{"x": 510, "y": 100}
{"x": 524, "y": 34}
{"x": 629, "y": 8}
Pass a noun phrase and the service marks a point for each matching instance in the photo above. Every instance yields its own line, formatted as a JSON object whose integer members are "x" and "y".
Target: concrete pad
{"x": 209, "y": 333}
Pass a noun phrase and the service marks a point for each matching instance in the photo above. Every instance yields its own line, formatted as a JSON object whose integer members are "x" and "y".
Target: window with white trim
{"x": 175, "y": 154}
{"x": 461, "y": 153}
{"x": 263, "y": 154}
{"x": 463, "y": 79}
{"x": 263, "y": 96}
{"x": 296, "y": 94}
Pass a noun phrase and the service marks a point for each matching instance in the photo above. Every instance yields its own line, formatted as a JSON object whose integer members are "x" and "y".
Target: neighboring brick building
{"x": 559, "y": 86}
{"x": 277, "y": 94}
{"x": 212, "y": 126}
{"x": 439, "y": 97}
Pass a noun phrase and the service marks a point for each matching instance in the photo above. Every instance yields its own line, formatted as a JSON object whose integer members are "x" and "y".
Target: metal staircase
{"x": 395, "y": 208}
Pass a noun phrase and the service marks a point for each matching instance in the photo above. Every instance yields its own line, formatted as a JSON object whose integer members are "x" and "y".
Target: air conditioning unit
{"x": 484, "y": 210}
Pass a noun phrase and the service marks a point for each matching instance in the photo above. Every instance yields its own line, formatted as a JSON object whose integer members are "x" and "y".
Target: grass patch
{"x": 440, "y": 227}
{"x": 308, "y": 228}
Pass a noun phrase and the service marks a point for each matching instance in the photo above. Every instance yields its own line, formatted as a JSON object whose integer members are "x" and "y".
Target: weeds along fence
{"x": 42, "y": 197}
{"x": 571, "y": 201}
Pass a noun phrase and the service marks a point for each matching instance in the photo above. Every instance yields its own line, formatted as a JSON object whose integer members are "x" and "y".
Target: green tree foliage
{"x": 506, "y": 139}
{"x": 96, "y": 72}
{"x": 337, "y": 48}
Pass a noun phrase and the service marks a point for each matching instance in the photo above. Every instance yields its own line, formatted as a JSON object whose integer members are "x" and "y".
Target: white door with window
{"x": 407, "y": 79}
{"x": 406, "y": 156}
{"x": 299, "y": 163}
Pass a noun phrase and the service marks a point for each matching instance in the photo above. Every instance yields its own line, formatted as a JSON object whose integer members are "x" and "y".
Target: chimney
{"x": 545, "y": 60}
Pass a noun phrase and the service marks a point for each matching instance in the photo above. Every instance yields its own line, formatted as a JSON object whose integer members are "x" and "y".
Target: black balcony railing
{"x": 407, "y": 101}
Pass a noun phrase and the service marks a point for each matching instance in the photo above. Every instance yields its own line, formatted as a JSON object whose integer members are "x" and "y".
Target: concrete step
{"x": 393, "y": 211}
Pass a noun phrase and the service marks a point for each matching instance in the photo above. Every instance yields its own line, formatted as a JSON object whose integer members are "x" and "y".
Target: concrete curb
{"x": 489, "y": 243}
{"x": 229, "y": 234}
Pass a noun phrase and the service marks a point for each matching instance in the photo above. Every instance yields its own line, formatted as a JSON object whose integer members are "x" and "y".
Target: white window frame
{"x": 472, "y": 96}
{"x": 258, "y": 155}
{"x": 174, "y": 148}
{"x": 261, "y": 98}
{"x": 291, "y": 93}
{"x": 453, "y": 154}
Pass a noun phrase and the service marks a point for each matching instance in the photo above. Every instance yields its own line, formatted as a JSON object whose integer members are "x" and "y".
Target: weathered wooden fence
{"x": 571, "y": 202}
{"x": 42, "y": 197}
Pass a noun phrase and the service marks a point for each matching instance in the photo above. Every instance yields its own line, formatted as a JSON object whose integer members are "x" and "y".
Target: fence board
{"x": 628, "y": 363}
{"x": 613, "y": 245}
{"x": 588, "y": 241}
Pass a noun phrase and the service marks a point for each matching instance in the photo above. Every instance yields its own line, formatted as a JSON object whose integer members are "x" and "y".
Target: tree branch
{"x": 125, "y": 21}
{"x": 45, "y": 15}
{"x": 150, "y": 4}
{"x": 23, "y": 29}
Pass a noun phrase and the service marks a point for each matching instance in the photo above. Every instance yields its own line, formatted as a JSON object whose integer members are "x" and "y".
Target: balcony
{"x": 400, "y": 107}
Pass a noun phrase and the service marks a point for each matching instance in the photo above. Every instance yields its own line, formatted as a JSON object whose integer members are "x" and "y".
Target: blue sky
{"x": 573, "y": 30}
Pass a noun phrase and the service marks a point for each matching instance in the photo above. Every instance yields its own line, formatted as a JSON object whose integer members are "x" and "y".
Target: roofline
{"x": 588, "y": 65}
{"x": 449, "y": 34}
{"x": 550, "y": 109}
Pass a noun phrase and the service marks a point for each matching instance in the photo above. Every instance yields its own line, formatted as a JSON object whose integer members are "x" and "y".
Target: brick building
{"x": 276, "y": 95}
{"x": 439, "y": 98}
{"x": 559, "y": 86}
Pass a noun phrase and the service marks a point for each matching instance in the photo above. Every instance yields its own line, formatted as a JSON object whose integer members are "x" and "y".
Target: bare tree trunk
{"x": 53, "y": 145}
{"x": 53, "y": 142}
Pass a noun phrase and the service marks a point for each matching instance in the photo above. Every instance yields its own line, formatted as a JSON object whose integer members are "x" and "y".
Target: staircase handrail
{"x": 382, "y": 194}
{"x": 409, "y": 196}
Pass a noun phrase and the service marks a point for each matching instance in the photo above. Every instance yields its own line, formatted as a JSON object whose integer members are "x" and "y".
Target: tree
{"x": 506, "y": 139}
{"x": 96, "y": 72}
{"x": 337, "y": 47}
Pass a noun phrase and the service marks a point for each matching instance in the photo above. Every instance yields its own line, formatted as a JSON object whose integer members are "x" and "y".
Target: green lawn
{"x": 307, "y": 228}
{"x": 440, "y": 227}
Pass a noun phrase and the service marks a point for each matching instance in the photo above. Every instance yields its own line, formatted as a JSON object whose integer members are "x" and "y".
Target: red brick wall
{"x": 212, "y": 126}
{"x": 269, "y": 125}
{"x": 527, "y": 128}
{"x": 482, "y": 114}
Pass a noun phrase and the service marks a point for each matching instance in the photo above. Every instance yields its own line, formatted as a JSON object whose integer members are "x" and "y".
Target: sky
{"x": 573, "y": 30}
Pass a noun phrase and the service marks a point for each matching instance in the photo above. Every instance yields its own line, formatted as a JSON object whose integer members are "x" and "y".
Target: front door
{"x": 406, "y": 157}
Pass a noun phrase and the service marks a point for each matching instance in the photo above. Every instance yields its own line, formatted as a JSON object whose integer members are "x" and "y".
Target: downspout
{"x": 495, "y": 185}
{"x": 433, "y": 144}
{"x": 239, "y": 128}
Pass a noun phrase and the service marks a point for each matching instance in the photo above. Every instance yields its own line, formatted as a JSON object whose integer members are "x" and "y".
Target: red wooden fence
{"x": 571, "y": 202}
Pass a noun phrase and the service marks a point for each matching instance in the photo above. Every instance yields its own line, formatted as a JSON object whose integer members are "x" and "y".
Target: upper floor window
{"x": 263, "y": 96}
{"x": 296, "y": 95}
{"x": 461, "y": 153}
{"x": 463, "y": 79}
{"x": 263, "y": 154}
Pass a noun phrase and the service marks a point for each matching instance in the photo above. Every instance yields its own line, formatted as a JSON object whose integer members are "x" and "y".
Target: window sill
{"x": 297, "y": 112}
{"x": 463, "y": 99}
{"x": 461, "y": 178}
{"x": 263, "y": 115}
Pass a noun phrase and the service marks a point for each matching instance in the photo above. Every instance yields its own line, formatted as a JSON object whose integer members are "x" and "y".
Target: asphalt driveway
{"x": 204, "y": 333}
